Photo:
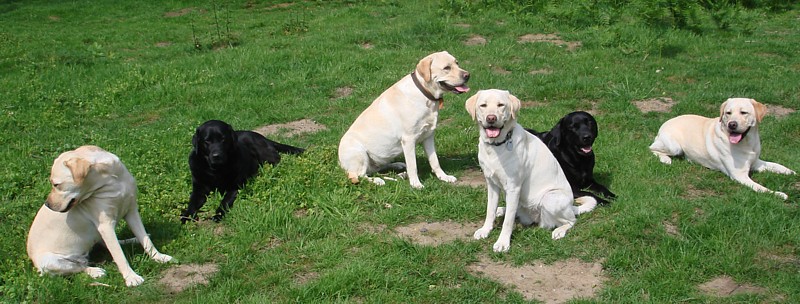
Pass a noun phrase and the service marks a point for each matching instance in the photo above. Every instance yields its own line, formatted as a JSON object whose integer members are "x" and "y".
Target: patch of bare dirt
{"x": 681, "y": 79}
{"x": 342, "y": 92}
{"x": 555, "y": 283}
{"x": 280, "y": 5}
{"x": 693, "y": 192}
{"x": 266, "y": 245}
{"x": 372, "y": 228}
{"x": 541, "y": 72}
{"x": 300, "y": 213}
{"x": 533, "y": 103}
{"x": 779, "y": 111}
{"x": 163, "y": 44}
{"x": 725, "y": 286}
{"x": 780, "y": 257}
{"x": 181, "y": 277}
{"x": 671, "y": 226}
{"x": 659, "y": 104}
{"x": 291, "y": 128}
{"x": 367, "y": 46}
{"x": 549, "y": 38}
{"x": 475, "y": 40}
{"x": 472, "y": 177}
{"x": 179, "y": 13}
{"x": 437, "y": 233}
{"x": 499, "y": 70}
{"x": 305, "y": 277}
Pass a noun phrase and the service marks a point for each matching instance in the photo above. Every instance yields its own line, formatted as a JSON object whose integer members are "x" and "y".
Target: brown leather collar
{"x": 425, "y": 92}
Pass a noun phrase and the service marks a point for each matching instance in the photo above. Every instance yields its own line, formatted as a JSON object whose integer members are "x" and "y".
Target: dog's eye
{"x": 447, "y": 68}
{"x": 500, "y": 105}
{"x": 483, "y": 105}
{"x": 728, "y": 113}
{"x": 744, "y": 112}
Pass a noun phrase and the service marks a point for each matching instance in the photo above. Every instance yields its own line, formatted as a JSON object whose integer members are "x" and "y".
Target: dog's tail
{"x": 287, "y": 149}
{"x": 587, "y": 203}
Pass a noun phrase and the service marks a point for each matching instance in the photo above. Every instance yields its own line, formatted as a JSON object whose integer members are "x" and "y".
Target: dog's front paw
{"x": 95, "y": 272}
{"x": 502, "y": 246}
{"x": 133, "y": 279}
{"x": 186, "y": 216}
{"x": 162, "y": 258}
{"x": 416, "y": 184}
{"x": 781, "y": 195}
{"x": 448, "y": 178}
{"x": 481, "y": 233}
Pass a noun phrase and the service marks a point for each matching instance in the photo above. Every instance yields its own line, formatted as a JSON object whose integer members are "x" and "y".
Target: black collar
{"x": 508, "y": 137}
{"x": 423, "y": 90}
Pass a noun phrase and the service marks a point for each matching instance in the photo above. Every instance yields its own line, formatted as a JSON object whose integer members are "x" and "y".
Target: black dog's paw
{"x": 217, "y": 217}
{"x": 186, "y": 217}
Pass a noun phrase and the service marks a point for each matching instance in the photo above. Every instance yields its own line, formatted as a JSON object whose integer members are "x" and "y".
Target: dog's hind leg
{"x": 587, "y": 203}
{"x": 52, "y": 263}
{"x": 557, "y": 211}
{"x": 663, "y": 147}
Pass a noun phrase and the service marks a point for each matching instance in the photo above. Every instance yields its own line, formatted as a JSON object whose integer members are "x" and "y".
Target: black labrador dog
{"x": 571, "y": 141}
{"x": 223, "y": 160}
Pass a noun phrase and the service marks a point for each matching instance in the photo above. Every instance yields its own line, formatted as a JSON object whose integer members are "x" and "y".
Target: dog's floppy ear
{"x": 79, "y": 168}
{"x": 722, "y": 109}
{"x": 424, "y": 68}
{"x": 761, "y": 109}
{"x": 194, "y": 140}
{"x": 471, "y": 105}
{"x": 555, "y": 133}
{"x": 515, "y": 105}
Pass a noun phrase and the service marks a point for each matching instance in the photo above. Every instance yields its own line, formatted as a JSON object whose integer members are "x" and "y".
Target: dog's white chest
{"x": 489, "y": 157}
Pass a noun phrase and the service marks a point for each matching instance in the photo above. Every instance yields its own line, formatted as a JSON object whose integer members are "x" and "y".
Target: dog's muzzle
{"x": 733, "y": 136}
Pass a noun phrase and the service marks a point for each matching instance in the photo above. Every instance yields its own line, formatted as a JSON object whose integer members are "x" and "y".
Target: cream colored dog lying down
{"x": 729, "y": 143}
{"x": 91, "y": 191}
{"x": 400, "y": 118}
{"x": 521, "y": 165}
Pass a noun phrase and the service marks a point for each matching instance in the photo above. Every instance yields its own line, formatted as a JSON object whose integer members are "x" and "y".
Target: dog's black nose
{"x": 586, "y": 138}
{"x": 491, "y": 118}
{"x": 732, "y": 125}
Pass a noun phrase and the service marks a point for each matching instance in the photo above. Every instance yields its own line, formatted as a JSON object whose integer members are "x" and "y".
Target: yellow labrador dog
{"x": 729, "y": 143}
{"x": 400, "y": 118}
{"x": 91, "y": 191}
{"x": 519, "y": 163}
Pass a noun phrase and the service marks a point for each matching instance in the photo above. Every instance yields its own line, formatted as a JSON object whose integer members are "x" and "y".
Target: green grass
{"x": 135, "y": 80}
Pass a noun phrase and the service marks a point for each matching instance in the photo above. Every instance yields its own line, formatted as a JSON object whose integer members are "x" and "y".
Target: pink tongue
{"x": 463, "y": 88}
{"x": 735, "y": 138}
{"x": 492, "y": 132}
{"x": 586, "y": 149}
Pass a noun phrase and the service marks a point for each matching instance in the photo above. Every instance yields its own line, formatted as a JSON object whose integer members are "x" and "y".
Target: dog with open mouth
{"x": 403, "y": 116}
{"x": 729, "y": 143}
{"x": 520, "y": 165}
{"x": 571, "y": 141}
